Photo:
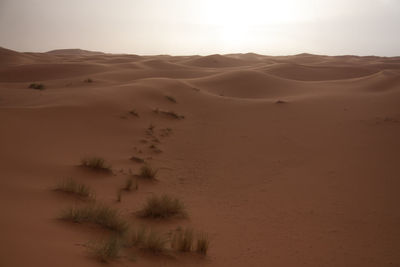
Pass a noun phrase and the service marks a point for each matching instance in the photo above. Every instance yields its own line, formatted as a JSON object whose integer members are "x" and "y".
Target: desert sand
{"x": 282, "y": 161}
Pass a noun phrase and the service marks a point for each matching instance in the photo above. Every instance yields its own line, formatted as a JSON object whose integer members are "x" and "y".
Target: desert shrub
{"x": 37, "y": 86}
{"x": 163, "y": 207}
{"x": 107, "y": 249}
{"x": 148, "y": 172}
{"x": 72, "y": 187}
{"x": 98, "y": 214}
{"x": 88, "y": 80}
{"x": 95, "y": 163}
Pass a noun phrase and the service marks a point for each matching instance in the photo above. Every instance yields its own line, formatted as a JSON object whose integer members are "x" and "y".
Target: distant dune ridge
{"x": 257, "y": 160}
{"x": 74, "y": 52}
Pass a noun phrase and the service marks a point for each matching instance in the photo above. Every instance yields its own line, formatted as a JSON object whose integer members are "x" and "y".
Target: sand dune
{"x": 41, "y": 72}
{"x": 9, "y": 58}
{"x": 310, "y": 180}
{"x": 74, "y": 52}
{"x": 318, "y": 73}
{"x": 161, "y": 64}
{"x": 247, "y": 84}
{"x": 215, "y": 61}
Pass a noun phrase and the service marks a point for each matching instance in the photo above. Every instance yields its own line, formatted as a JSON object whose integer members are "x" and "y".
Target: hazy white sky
{"x": 278, "y": 27}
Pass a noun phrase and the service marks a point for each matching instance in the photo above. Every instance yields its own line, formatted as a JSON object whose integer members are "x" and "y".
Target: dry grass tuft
{"x": 163, "y": 207}
{"x": 96, "y": 163}
{"x": 155, "y": 242}
{"x": 129, "y": 184}
{"x": 107, "y": 249}
{"x": 98, "y": 214}
{"x": 147, "y": 172}
{"x": 203, "y": 243}
{"x": 37, "y": 86}
{"x": 72, "y": 187}
{"x": 183, "y": 240}
{"x": 149, "y": 240}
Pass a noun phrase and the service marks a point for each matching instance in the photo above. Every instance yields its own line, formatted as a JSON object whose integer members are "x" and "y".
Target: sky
{"x": 203, "y": 27}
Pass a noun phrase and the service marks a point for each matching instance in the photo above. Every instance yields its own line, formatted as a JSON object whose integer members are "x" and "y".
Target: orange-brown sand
{"x": 311, "y": 180}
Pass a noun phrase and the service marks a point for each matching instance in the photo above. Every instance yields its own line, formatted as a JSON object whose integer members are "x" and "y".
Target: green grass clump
{"x": 107, "y": 249}
{"x": 148, "y": 172}
{"x": 37, "y": 86}
{"x": 98, "y": 214}
{"x": 163, "y": 207}
{"x": 183, "y": 240}
{"x": 203, "y": 243}
{"x": 96, "y": 163}
{"x": 72, "y": 187}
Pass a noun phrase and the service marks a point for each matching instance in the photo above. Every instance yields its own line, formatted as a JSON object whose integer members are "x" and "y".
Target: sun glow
{"x": 237, "y": 22}
{"x": 252, "y": 12}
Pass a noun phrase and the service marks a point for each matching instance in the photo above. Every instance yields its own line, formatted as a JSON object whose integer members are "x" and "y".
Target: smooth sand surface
{"x": 310, "y": 181}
